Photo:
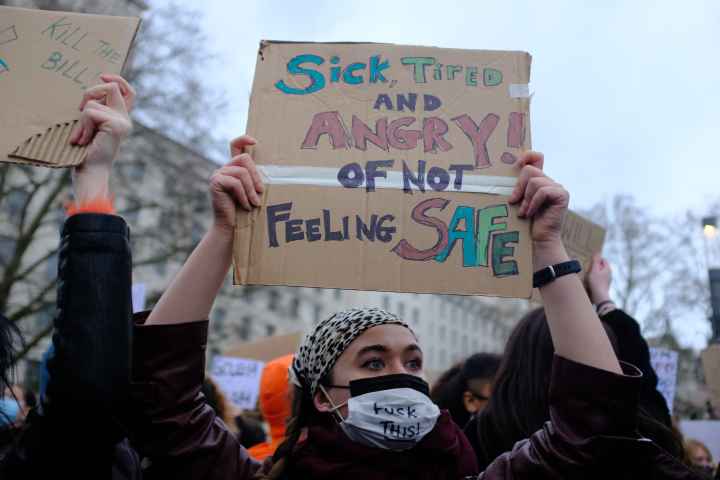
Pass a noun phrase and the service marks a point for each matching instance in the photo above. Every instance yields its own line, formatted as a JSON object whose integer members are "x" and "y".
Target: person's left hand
{"x": 598, "y": 279}
{"x": 104, "y": 123}
{"x": 541, "y": 199}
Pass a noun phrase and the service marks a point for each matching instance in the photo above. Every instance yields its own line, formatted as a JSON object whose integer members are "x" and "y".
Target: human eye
{"x": 374, "y": 364}
{"x": 415, "y": 364}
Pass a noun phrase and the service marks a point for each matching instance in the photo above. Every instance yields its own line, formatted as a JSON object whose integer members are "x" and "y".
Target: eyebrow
{"x": 383, "y": 349}
{"x": 373, "y": 348}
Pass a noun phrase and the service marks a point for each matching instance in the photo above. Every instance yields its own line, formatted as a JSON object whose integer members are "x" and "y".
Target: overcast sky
{"x": 625, "y": 92}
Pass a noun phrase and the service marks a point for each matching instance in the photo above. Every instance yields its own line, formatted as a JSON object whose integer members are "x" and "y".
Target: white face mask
{"x": 392, "y": 419}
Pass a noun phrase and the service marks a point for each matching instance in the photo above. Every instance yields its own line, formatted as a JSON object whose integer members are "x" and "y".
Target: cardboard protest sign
{"x": 387, "y": 168}
{"x": 47, "y": 59}
{"x": 239, "y": 379}
{"x": 711, "y": 368}
{"x": 665, "y": 364}
{"x": 582, "y": 239}
{"x": 268, "y": 348}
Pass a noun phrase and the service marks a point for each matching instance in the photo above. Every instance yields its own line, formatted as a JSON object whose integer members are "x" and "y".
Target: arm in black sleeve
{"x": 90, "y": 368}
{"x": 76, "y": 430}
{"x": 633, "y": 348}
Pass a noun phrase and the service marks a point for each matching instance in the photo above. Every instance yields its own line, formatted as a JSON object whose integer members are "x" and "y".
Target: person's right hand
{"x": 598, "y": 279}
{"x": 103, "y": 125}
{"x": 238, "y": 183}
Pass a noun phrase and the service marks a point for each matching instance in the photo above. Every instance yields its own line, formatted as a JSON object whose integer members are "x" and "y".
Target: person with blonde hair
{"x": 700, "y": 457}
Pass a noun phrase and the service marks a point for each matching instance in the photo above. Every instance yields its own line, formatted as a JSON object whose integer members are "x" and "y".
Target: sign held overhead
{"x": 387, "y": 168}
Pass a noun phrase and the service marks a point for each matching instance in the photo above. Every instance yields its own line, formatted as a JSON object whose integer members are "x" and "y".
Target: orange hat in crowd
{"x": 275, "y": 404}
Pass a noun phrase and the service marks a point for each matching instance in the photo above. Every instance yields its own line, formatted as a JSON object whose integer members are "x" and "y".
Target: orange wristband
{"x": 98, "y": 205}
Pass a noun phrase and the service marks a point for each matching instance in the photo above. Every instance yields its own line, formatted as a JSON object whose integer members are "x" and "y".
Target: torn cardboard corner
{"x": 582, "y": 239}
{"x": 387, "y": 168}
{"x": 47, "y": 60}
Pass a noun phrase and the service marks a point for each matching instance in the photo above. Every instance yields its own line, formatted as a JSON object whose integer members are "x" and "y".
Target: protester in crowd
{"x": 76, "y": 430}
{"x": 30, "y": 399}
{"x": 361, "y": 358}
{"x": 11, "y": 408}
{"x": 23, "y": 397}
{"x": 630, "y": 344}
{"x": 465, "y": 389}
{"x": 250, "y": 429}
{"x": 275, "y": 403}
{"x": 521, "y": 402}
{"x": 700, "y": 457}
{"x": 215, "y": 397}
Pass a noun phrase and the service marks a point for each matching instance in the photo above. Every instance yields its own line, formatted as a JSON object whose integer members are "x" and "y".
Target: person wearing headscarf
{"x": 361, "y": 406}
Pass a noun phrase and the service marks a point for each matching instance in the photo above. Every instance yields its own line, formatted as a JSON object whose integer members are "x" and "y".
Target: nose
{"x": 398, "y": 366}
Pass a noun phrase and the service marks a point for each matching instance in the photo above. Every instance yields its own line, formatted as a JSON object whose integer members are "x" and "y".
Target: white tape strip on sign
{"x": 328, "y": 177}
{"x": 519, "y": 90}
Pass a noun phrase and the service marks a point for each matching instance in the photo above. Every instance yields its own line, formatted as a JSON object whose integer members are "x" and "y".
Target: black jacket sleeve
{"x": 93, "y": 325}
{"x": 76, "y": 430}
{"x": 632, "y": 348}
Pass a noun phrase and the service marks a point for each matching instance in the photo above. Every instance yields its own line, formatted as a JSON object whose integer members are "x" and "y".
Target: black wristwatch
{"x": 548, "y": 274}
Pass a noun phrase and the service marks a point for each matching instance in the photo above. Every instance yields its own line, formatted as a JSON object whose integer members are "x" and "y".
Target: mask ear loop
{"x": 335, "y": 408}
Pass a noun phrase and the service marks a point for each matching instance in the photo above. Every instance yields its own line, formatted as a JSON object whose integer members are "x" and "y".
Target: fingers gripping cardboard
{"x": 47, "y": 59}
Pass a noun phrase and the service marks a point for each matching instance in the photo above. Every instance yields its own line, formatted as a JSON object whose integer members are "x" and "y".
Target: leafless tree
{"x": 174, "y": 104}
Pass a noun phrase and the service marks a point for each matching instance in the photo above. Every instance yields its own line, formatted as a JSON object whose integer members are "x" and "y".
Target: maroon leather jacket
{"x": 592, "y": 432}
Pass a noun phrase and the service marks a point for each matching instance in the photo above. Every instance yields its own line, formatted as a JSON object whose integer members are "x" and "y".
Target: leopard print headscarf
{"x": 321, "y": 348}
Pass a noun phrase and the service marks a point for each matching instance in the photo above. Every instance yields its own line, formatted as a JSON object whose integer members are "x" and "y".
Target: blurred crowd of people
{"x": 573, "y": 395}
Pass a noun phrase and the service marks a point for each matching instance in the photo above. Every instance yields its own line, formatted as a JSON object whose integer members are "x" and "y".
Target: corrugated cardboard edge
{"x": 242, "y": 244}
{"x": 52, "y": 148}
{"x": 243, "y": 234}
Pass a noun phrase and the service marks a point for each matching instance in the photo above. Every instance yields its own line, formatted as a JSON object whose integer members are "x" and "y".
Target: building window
{"x": 416, "y": 316}
{"x": 270, "y": 330}
{"x": 243, "y": 330}
{"x": 7, "y": 248}
{"x": 45, "y": 317}
{"x": 52, "y": 267}
{"x": 295, "y": 307}
{"x": 15, "y": 202}
{"x": 401, "y": 310}
{"x": 386, "y": 302}
{"x": 135, "y": 171}
{"x": 443, "y": 359}
{"x": 338, "y": 294}
{"x": 274, "y": 300}
{"x": 161, "y": 267}
{"x": 318, "y": 313}
{"x": 247, "y": 293}
{"x": 219, "y": 315}
{"x": 443, "y": 333}
{"x": 453, "y": 338}
{"x": 197, "y": 232}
